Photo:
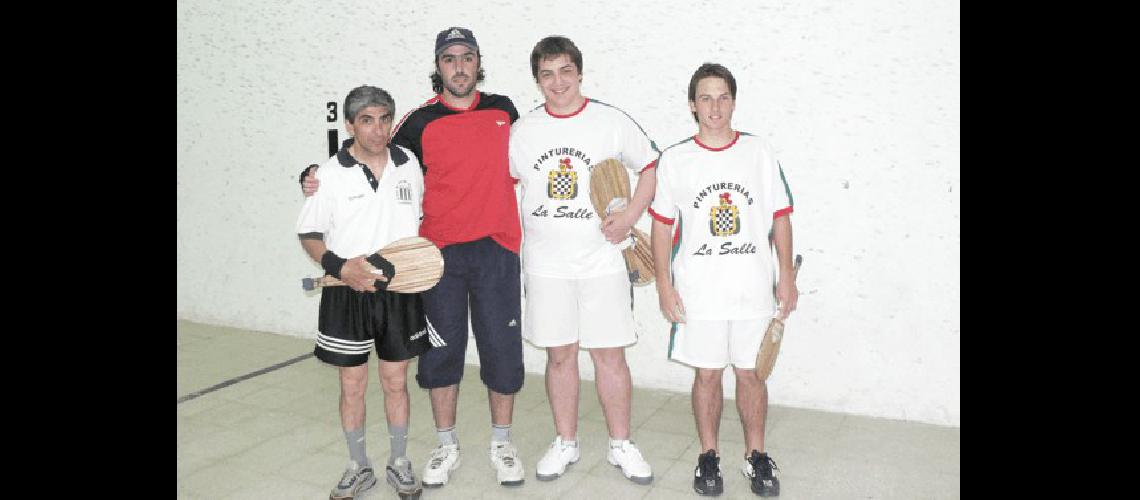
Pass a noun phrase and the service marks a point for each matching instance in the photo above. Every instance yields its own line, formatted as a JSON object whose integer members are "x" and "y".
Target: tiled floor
{"x": 277, "y": 435}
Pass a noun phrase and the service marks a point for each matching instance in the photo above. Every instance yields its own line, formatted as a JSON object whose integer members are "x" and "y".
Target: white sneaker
{"x": 554, "y": 462}
{"x": 444, "y": 459}
{"x": 505, "y": 459}
{"x": 633, "y": 465}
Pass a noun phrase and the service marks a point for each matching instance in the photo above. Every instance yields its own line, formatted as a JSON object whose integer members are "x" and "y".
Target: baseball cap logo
{"x": 453, "y": 35}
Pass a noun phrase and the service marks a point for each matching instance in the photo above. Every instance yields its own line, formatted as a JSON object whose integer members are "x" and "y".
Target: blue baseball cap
{"x": 455, "y": 35}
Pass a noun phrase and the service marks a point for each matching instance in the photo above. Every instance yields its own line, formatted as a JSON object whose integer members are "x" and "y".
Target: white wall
{"x": 862, "y": 100}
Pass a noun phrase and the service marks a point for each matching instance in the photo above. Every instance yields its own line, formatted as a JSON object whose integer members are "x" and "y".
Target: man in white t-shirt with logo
{"x": 577, "y": 289}
{"x": 726, "y": 195}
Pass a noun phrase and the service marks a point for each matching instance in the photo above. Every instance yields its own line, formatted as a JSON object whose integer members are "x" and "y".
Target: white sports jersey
{"x": 552, "y": 156}
{"x": 357, "y": 219}
{"x": 724, "y": 200}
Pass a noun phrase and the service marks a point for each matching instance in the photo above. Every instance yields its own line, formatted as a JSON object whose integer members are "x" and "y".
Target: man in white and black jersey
{"x": 725, "y": 193}
{"x": 577, "y": 289}
{"x": 371, "y": 194}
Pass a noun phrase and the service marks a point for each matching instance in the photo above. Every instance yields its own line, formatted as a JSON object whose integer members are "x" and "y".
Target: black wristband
{"x": 305, "y": 173}
{"x": 384, "y": 265}
{"x": 332, "y": 264}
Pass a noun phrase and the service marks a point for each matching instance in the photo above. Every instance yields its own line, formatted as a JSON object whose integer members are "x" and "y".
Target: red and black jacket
{"x": 468, "y": 190}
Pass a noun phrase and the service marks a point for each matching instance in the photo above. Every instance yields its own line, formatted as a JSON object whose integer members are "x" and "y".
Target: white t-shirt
{"x": 357, "y": 219}
{"x": 552, "y": 156}
{"x": 724, "y": 200}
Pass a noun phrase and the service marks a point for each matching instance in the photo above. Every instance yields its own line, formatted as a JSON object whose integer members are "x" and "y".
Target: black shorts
{"x": 485, "y": 276}
{"x": 352, "y": 323}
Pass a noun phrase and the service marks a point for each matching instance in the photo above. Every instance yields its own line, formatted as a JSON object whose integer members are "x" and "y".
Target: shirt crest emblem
{"x": 724, "y": 219}
{"x": 562, "y": 183}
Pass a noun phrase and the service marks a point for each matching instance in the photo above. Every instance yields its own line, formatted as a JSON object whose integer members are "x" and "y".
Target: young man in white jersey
{"x": 577, "y": 289}
{"x": 371, "y": 196}
{"x": 727, "y": 195}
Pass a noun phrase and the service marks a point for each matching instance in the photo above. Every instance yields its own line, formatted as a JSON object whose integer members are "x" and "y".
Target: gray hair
{"x": 364, "y": 96}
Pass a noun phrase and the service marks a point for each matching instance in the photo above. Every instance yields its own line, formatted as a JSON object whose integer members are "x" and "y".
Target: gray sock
{"x": 398, "y": 439}
{"x": 447, "y": 436}
{"x": 500, "y": 433}
{"x": 356, "y": 451}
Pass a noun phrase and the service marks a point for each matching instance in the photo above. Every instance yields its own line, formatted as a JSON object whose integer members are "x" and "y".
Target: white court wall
{"x": 861, "y": 100}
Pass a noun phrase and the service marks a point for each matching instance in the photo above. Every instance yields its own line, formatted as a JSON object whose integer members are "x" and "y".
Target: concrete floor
{"x": 277, "y": 435}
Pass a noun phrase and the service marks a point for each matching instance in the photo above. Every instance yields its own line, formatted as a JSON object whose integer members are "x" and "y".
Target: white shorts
{"x": 716, "y": 343}
{"x": 595, "y": 312}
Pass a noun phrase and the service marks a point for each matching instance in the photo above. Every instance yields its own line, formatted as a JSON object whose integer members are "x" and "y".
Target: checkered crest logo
{"x": 563, "y": 183}
{"x": 724, "y": 219}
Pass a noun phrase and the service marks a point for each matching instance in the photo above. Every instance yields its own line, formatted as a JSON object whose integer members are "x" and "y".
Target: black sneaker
{"x": 758, "y": 469}
{"x": 708, "y": 481}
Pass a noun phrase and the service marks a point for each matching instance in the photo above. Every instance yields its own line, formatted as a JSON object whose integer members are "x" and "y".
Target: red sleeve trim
{"x": 781, "y": 213}
{"x": 660, "y": 218}
{"x": 652, "y": 164}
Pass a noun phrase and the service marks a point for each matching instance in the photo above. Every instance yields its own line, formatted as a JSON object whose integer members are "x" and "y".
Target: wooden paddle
{"x": 770, "y": 347}
{"x": 418, "y": 263}
{"x": 609, "y": 180}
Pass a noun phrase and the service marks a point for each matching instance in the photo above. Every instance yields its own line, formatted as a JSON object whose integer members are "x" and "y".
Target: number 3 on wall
{"x": 334, "y": 143}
